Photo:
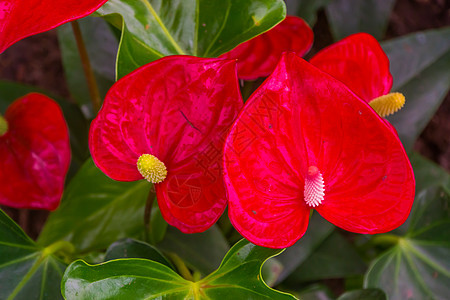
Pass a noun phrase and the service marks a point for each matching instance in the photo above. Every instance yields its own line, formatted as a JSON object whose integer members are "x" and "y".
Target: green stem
{"x": 88, "y": 73}
{"x": 385, "y": 239}
{"x": 181, "y": 266}
{"x": 3, "y": 125}
{"x": 148, "y": 214}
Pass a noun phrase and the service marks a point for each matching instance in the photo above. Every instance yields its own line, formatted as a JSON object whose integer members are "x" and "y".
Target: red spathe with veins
{"x": 34, "y": 154}
{"x": 304, "y": 141}
{"x": 22, "y": 18}
{"x": 178, "y": 109}
{"x": 259, "y": 56}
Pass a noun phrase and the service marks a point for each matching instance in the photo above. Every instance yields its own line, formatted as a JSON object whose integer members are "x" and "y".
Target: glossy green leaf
{"x": 417, "y": 267}
{"x": 129, "y": 248}
{"x": 96, "y": 211}
{"x": 420, "y": 65}
{"x": 27, "y": 271}
{"x": 203, "y": 252}
{"x": 101, "y": 46}
{"x": 238, "y": 277}
{"x": 77, "y": 123}
{"x": 152, "y": 29}
{"x": 352, "y": 16}
{"x": 306, "y": 9}
{"x": 334, "y": 258}
{"x": 365, "y": 294}
{"x": 318, "y": 231}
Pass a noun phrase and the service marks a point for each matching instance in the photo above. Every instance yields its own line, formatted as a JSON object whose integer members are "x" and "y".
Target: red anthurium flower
{"x": 34, "y": 153}
{"x": 259, "y": 56}
{"x": 359, "y": 61}
{"x": 305, "y": 141}
{"x": 167, "y": 122}
{"x": 22, "y": 18}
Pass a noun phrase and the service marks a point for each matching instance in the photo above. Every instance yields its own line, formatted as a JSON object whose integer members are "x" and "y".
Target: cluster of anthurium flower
{"x": 311, "y": 137}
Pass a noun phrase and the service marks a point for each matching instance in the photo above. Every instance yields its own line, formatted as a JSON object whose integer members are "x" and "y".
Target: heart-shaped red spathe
{"x": 34, "y": 154}
{"x": 360, "y": 63}
{"x": 22, "y": 18}
{"x": 178, "y": 109}
{"x": 302, "y": 117}
{"x": 259, "y": 56}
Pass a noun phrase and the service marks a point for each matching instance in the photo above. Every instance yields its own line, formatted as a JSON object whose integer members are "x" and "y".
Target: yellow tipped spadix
{"x": 388, "y": 104}
{"x": 3, "y": 126}
{"x": 151, "y": 168}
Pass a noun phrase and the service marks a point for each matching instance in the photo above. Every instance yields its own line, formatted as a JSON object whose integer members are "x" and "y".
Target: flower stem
{"x": 88, "y": 73}
{"x": 148, "y": 214}
{"x": 3, "y": 125}
{"x": 385, "y": 239}
{"x": 181, "y": 266}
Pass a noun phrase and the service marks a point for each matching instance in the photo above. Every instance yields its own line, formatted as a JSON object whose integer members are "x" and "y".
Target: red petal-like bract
{"x": 179, "y": 109}
{"x": 34, "y": 154}
{"x": 259, "y": 56}
{"x": 302, "y": 117}
{"x": 358, "y": 61}
{"x": 22, "y": 18}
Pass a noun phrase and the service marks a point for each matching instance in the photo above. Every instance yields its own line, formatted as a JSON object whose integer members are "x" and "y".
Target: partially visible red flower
{"x": 34, "y": 153}
{"x": 167, "y": 122}
{"x": 22, "y": 18}
{"x": 259, "y": 56}
{"x": 305, "y": 141}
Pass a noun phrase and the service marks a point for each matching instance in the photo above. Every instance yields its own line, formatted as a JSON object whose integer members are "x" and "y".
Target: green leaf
{"x": 351, "y": 16}
{"x": 316, "y": 292}
{"x": 201, "y": 251}
{"x": 96, "y": 211}
{"x": 77, "y": 123}
{"x": 365, "y": 294}
{"x": 306, "y": 9}
{"x": 101, "y": 46}
{"x": 158, "y": 226}
{"x": 238, "y": 277}
{"x": 129, "y": 248}
{"x": 417, "y": 267}
{"x": 420, "y": 65}
{"x": 26, "y": 271}
{"x": 152, "y": 29}
{"x": 318, "y": 231}
{"x": 334, "y": 258}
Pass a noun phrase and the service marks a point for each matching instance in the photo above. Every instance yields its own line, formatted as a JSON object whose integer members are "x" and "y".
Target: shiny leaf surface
{"x": 352, "y": 16}
{"x": 20, "y": 19}
{"x": 27, "y": 272}
{"x": 96, "y": 211}
{"x": 239, "y": 276}
{"x": 101, "y": 46}
{"x": 35, "y": 153}
{"x": 152, "y": 29}
{"x": 420, "y": 65}
{"x": 129, "y": 248}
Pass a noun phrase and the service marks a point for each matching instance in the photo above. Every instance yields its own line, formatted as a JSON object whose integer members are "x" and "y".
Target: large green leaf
{"x": 306, "y": 9}
{"x": 152, "y": 29}
{"x": 77, "y": 123}
{"x": 129, "y": 248}
{"x": 334, "y": 258}
{"x": 351, "y": 16}
{"x": 96, "y": 211}
{"x": 420, "y": 65}
{"x": 101, "y": 46}
{"x": 201, "y": 251}
{"x": 417, "y": 267}
{"x": 27, "y": 271}
{"x": 238, "y": 277}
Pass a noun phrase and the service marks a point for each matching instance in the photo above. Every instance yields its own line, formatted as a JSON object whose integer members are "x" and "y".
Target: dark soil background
{"x": 37, "y": 61}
